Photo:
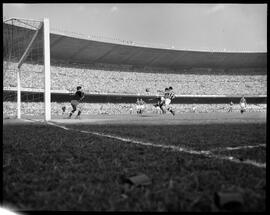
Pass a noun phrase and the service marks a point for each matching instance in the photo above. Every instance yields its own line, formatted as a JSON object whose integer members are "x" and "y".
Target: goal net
{"x": 26, "y": 68}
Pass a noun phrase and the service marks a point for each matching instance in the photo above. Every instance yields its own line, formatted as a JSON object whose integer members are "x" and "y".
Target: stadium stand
{"x": 125, "y": 79}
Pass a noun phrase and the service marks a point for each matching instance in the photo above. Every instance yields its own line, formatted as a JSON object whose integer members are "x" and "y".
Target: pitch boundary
{"x": 205, "y": 153}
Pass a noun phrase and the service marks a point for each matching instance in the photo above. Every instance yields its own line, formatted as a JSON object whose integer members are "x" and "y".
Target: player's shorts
{"x": 243, "y": 106}
{"x": 167, "y": 102}
{"x": 76, "y": 104}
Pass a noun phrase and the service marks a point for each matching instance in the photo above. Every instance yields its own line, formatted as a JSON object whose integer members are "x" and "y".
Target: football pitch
{"x": 79, "y": 164}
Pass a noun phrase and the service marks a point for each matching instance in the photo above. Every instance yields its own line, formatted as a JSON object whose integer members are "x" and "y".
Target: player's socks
{"x": 78, "y": 115}
{"x": 173, "y": 113}
{"x": 71, "y": 113}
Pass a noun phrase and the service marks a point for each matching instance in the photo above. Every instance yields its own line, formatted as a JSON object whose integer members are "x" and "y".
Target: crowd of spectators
{"x": 128, "y": 79}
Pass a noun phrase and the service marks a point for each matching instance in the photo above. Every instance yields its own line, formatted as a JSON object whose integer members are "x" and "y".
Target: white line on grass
{"x": 208, "y": 154}
{"x": 237, "y": 148}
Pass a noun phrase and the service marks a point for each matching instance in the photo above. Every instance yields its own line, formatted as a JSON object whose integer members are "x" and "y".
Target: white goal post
{"x": 42, "y": 33}
{"x": 47, "y": 69}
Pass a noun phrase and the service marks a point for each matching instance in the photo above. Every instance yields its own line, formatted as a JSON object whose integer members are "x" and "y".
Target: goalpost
{"x": 26, "y": 67}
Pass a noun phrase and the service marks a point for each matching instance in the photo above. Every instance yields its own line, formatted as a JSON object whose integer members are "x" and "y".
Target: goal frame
{"x": 45, "y": 26}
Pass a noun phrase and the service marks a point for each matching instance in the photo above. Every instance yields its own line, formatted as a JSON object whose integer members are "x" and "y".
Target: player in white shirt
{"x": 243, "y": 105}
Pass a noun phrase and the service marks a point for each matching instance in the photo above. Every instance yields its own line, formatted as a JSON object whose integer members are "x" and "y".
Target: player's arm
{"x": 82, "y": 96}
{"x": 173, "y": 95}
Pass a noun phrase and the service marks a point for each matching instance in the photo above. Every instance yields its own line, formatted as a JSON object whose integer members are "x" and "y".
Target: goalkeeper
{"x": 76, "y": 102}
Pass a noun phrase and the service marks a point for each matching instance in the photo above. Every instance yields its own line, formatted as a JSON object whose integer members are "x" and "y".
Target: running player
{"x": 169, "y": 96}
{"x": 243, "y": 104}
{"x": 231, "y": 107}
{"x": 161, "y": 100}
{"x": 142, "y": 106}
{"x": 76, "y": 102}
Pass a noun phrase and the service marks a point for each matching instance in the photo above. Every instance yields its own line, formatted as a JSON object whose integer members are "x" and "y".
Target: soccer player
{"x": 75, "y": 102}
{"x": 130, "y": 110}
{"x": 142, "y": 106}
{"x": 63, "y": 110}
{"x": 231, "y": 107}
{"x": 161, "y": 100}
{"x": 138, "y": 106}
{"x": 243, "y": 104}
{"x": 169, "y": 95}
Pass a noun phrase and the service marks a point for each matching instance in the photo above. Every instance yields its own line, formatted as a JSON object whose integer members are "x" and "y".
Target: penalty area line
{"x": 208, "y": 154}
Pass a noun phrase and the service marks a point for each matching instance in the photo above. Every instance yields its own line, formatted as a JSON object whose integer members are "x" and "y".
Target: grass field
{"x": 75, "y": 165}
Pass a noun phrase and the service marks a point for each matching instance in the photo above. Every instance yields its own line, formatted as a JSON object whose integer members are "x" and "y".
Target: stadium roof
{"x": 74, "y": 48}
{"x": 83, "y": 50}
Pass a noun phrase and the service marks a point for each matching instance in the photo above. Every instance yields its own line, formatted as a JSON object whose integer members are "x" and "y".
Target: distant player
{"x": 161, "y": 100}
{"x": 63, "y": 110}
{"x": 243, "y": 104}
{"x": 76, "y": 102}
{"x": 169, "y": 95}
{"x": 102, "y": 111}
{"x": 130, "y": 110}
{"x": 138, "y": 106}
{"x": 142, "y": 104}
{"x": 231, "y": 107}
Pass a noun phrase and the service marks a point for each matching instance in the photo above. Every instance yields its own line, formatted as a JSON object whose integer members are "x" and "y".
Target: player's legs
{"x": 162, "y": 108}
{"x": 171, "y": 110}
{"x": 168, "y": 107}
{"x": 243, "y": 108}
{"x": 73, "y": 110}
{"x": 74, "y": 104}
{"x": 142, "y": 108}
{"x": 137, "y": 108}
{"x": 162, "y": 104}
{"x": 79, "y": 111}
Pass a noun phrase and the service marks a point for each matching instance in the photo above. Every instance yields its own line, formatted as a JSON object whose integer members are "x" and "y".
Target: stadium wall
{"x": 10, "y": 95}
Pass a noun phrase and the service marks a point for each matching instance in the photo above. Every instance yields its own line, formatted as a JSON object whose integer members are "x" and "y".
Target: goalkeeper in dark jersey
{"x": 76, "y": 102}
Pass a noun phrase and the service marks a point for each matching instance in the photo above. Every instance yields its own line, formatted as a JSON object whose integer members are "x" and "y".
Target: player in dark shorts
{"x": 76, "y": 102}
